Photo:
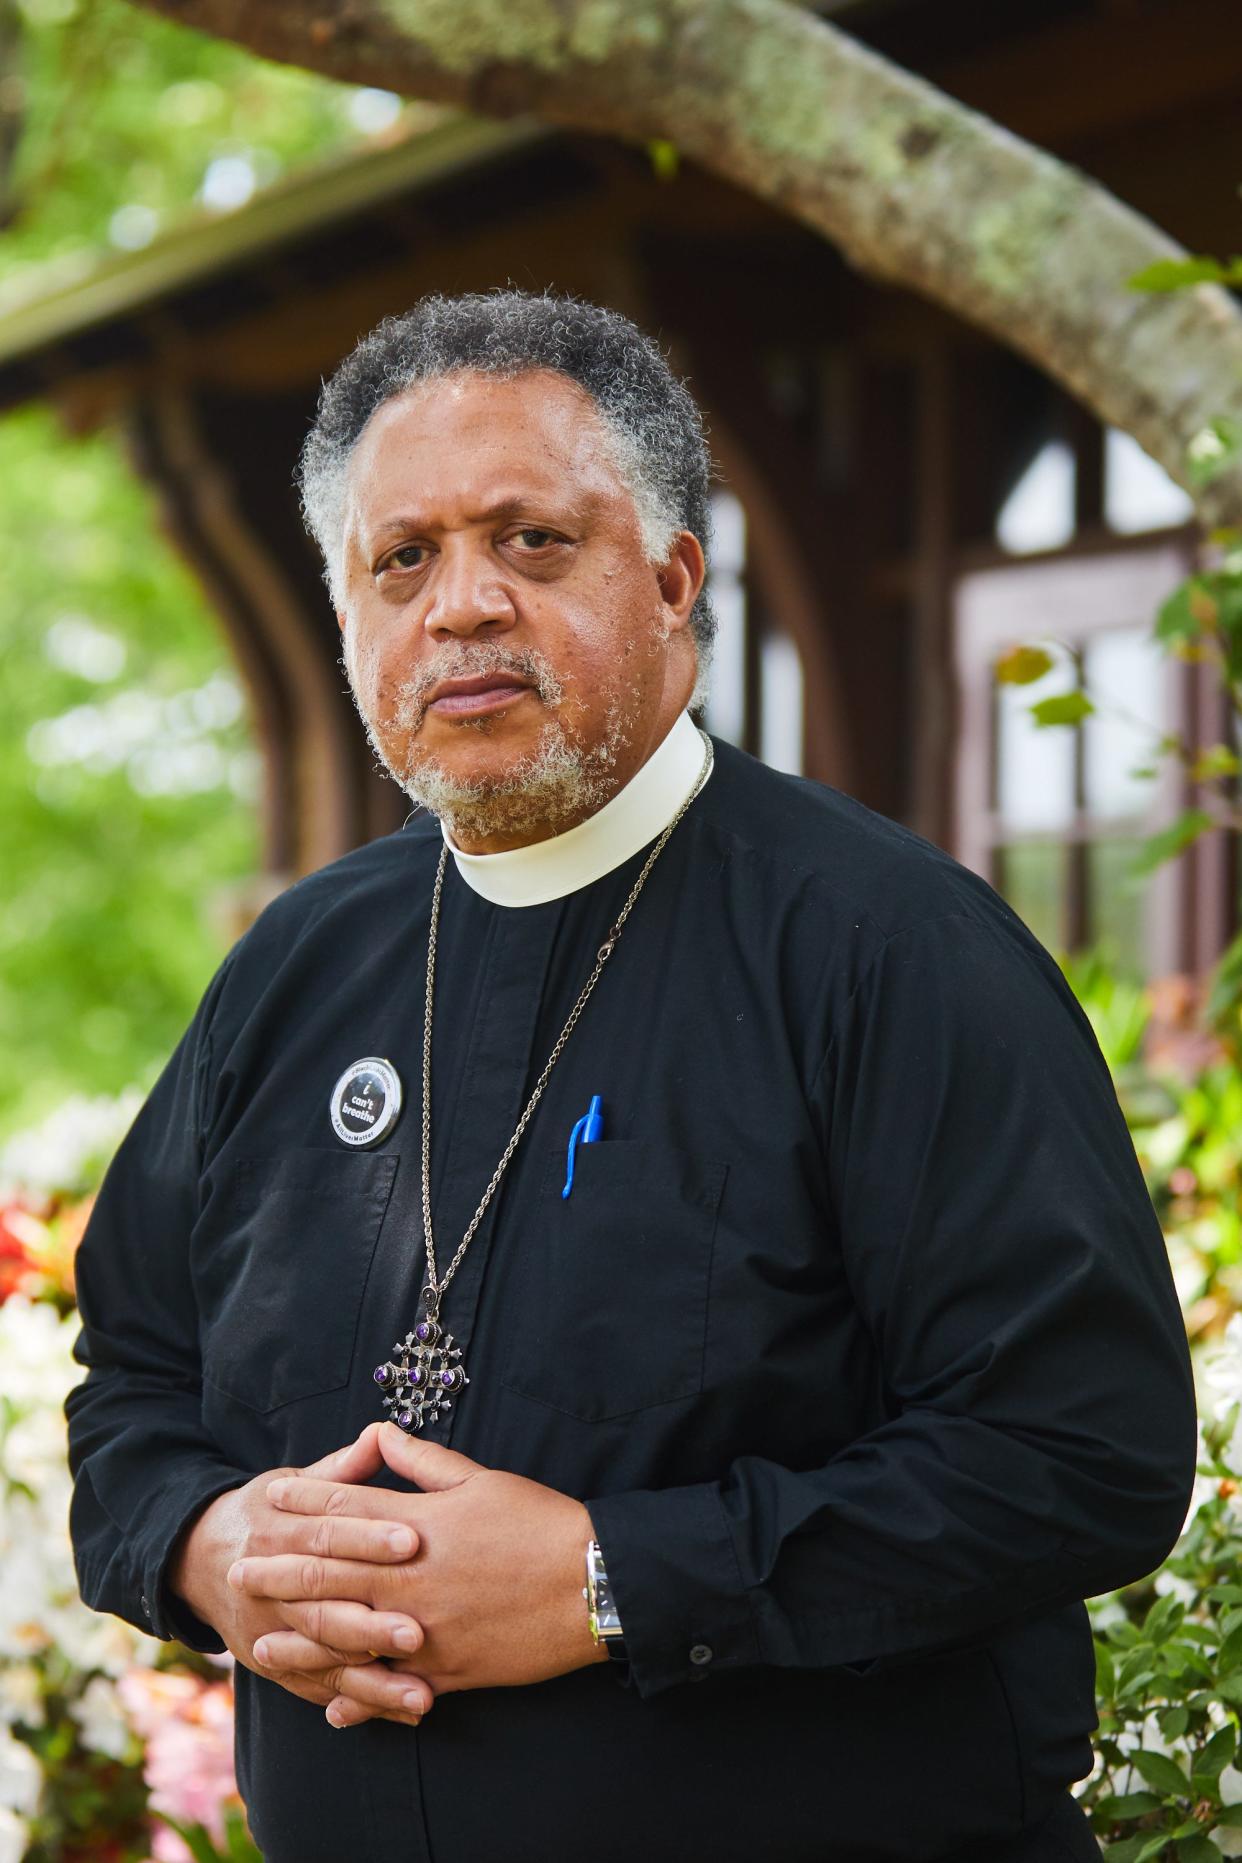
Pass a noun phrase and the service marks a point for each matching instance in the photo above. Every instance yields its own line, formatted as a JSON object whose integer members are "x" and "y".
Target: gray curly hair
{"x": 652, "y": 423}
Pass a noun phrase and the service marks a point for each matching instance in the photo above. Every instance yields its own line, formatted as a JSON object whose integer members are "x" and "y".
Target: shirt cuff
{"x": 162, "y": 1613}
{"x": 674, "y": 1576}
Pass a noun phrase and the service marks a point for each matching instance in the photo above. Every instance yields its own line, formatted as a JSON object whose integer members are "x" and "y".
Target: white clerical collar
{"x": 530, "y": 876}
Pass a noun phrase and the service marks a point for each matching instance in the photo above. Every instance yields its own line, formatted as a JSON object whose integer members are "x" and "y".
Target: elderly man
{"x": 643, "y": 1176}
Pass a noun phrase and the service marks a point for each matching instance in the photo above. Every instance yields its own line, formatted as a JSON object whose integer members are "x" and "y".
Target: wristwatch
{"x": 601, "y": 1610}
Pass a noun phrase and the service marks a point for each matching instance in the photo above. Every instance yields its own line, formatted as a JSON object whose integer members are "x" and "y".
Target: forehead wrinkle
{"x": 569, "y": 443}
{"x": 510, "y": 505}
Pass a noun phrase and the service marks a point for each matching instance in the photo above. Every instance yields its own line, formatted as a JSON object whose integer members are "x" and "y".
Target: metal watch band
{"x": 602, "y": 1615}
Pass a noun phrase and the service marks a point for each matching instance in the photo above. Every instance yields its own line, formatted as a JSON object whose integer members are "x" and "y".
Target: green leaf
{"x": 196, "y": 1839}
{"x": 1128, "y": 1805}
{"x": 1170, "y": 842}
{"x": 1178, "y": 618}
{"x": 1213, "y": 761}
{"x": 1198, "y": 1849}
{"x": 1230, "y": 1656}
{"x": 1105, "y": 1671}
{"x": 1163, "y": 1618}
{"x": 1136, "y": 1849}
{"x": 1162, "y": 1774}
{"x": 1208, "y": 1765}
{"x": 1177, "y": 274}
{"x": 1021, "y": 666}
{"x": 1066, "y": 708}
{"x": 665, "y": 158}
{"x": 1174, "y": 1721}
{"x": 241, "y": 1848}
{"x": 1226, "y": 986}
{"x": 1212, "y": 450}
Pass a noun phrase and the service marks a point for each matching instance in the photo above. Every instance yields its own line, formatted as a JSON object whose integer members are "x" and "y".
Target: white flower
{"x": 21, "y": 1694}
{"x": 1231, "y": 1786}
{"x": 37, "y": 1366}
{"x": 1170, "y": 1583}
{"x": 21, "y": 1776}
{"x": 69, "y": 1150}
{"x": 23, "y": 1596}
{"x": 1229, "y": 1842}
{"x": 1107, "y": 1610}
{"x": 34, "y": 1450}
{"x": 99, "y": 1715}
{"x": 14, "y": 1836}
{"x": 1206, "y": 446}
{"x": 1222, "y": 1369}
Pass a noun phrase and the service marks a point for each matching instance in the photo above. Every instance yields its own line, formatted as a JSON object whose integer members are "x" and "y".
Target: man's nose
{"x": 468, "y": 592}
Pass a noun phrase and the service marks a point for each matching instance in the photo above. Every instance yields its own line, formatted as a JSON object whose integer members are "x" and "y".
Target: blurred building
{"x": 900, "y": 498}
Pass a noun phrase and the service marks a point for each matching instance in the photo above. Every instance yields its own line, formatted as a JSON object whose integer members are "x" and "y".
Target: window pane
{"x": 1031, "y": 876}
{"x": 1115, "y": 914}
{"x": 780, "y": 704}
{"x": 1138, "y": 494}
{"x": 1034, "y": 764}
{"x": 1039, "y": 512}
{"x": 1124, "y": 668}
{"x": 725, "y": 711}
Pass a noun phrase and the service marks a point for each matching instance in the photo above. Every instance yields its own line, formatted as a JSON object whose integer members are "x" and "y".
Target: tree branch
{"x": 913, "y": 187}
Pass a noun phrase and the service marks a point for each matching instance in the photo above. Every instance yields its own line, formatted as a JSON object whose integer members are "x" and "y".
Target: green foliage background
{"x": 107, "y": 886}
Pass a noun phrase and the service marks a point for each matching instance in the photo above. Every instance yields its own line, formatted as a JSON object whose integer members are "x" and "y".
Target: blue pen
{"x": 589, "y": 1127}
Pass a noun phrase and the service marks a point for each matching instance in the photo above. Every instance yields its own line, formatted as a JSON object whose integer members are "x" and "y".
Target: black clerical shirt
{"x": 856, "y": 1335}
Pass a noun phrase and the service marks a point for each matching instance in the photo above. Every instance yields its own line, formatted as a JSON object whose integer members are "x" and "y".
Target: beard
{"x": 551, "y": 786}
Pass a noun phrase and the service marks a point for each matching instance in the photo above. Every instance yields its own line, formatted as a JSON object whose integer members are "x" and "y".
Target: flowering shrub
{"x": 114, "y": 1747}
{"x": 1169, "y": 1668}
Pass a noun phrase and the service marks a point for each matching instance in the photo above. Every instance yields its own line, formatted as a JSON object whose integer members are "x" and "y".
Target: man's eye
{"x": 410, "y": 551}
{"x": 532, "y": 538}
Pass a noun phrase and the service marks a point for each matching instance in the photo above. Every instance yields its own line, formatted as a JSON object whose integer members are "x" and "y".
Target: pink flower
{"x": 187, "y": 1725}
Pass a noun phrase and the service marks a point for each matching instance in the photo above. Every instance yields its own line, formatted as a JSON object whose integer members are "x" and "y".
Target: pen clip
{"x": 585, "y": 1132}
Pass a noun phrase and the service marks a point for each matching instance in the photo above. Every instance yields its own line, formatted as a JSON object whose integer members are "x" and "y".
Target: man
{"x": 706, "y": 1180}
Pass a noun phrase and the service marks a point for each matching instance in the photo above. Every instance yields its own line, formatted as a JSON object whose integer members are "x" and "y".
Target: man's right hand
{"x": 348, "y": 1635}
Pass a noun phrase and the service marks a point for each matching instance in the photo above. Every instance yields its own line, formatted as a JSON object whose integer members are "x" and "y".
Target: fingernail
{"x": 261, "y": 1651}
{"x": 237, "y": 1573}
{"x": 413, "y": 1702}
{"x": 400, "y": 1540}
{"x": 277, "y": 1490}
{"x": 335, "y": 1718}
{"x": 405, "y": 1639}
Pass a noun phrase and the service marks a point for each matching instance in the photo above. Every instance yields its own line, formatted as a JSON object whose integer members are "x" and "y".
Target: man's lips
{"x": 489, "y": 692}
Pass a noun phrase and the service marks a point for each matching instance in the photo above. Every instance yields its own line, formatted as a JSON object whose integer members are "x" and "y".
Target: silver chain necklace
{"x": 426, "y": 1365}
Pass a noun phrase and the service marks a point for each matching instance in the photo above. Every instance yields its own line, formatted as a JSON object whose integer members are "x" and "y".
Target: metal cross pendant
{"x": 423, "y": 1370}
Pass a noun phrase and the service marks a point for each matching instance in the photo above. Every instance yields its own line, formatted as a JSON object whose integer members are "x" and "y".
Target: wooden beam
{"x": 1092, "y": 75}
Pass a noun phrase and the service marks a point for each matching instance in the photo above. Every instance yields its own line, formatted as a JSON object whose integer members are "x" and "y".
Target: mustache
{"x": 473, "y": 661}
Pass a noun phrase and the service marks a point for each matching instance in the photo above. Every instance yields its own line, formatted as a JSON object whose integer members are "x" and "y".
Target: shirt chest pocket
{"x": 609, "y": 1310}
{"x": 281, "y": 1259}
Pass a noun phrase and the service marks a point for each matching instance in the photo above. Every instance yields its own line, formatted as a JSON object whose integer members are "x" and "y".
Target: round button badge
{"x": 365, "y": 1101}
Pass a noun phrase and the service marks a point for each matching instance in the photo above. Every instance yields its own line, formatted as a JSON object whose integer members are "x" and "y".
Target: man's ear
{"x": 340, "y": 619}
{"x": 681, "y": 578}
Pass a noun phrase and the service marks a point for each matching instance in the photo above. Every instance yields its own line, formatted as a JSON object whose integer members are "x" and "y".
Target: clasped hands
{"x": 475, "y": 1582}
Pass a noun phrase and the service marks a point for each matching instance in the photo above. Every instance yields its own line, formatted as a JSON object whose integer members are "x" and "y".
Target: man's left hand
{"x": 496, "y": 1583}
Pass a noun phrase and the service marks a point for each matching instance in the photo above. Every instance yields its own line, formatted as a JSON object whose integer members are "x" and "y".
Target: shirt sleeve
{"x": 143, "y": 1465}
{"x": 1039, "y": 1438}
